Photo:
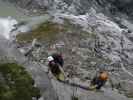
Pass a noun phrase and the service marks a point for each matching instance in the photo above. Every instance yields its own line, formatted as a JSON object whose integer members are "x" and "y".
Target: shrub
{"x": 16, "y": 83}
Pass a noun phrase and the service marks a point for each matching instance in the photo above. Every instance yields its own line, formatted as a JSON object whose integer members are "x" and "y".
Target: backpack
{"x": 58, "y": 59}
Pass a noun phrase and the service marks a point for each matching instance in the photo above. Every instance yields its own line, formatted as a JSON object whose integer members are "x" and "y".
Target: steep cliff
{"x": 87, "y": 34}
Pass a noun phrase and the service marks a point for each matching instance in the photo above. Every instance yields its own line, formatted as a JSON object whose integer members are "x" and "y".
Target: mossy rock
{"x": 16, "y": 83}
{"x": 50, "y": 30}
{"x": 74, "y": 98}
{"x": 45, "y": 31}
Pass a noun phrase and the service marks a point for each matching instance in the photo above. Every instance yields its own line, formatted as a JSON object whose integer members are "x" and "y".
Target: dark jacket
{"x": 98, "y": 81}
{"x": 58, "y": 59}
{"x": 54, "y": 67}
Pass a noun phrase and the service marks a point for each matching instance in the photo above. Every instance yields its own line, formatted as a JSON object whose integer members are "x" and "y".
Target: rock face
{"x": 110, "y": 6}
{"x": 87, "y": 42}
{"x": 33, "y": 4}
{"x": 79, "y": 6}
{"x": 88, "y": 39}
{"x": 123, "y": 6}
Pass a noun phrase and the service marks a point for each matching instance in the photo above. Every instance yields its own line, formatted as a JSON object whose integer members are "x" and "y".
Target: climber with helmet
{"x": 54, "y": 63}
{"x": 99, "y": 80}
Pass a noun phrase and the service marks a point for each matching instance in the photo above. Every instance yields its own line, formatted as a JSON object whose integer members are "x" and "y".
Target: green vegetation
{"x": 74, "y": 98}
{"x": 129, "y": 95}
{"x": 16, "y": 83}
{"x": 50, "y": 31}
{"x": 47, "y": 30}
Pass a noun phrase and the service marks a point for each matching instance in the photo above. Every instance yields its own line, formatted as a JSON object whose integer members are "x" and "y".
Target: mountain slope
{"x": 87, "y": 34}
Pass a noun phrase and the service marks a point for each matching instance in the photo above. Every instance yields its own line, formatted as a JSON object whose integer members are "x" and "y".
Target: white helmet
{"x": 50, "y": 58}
